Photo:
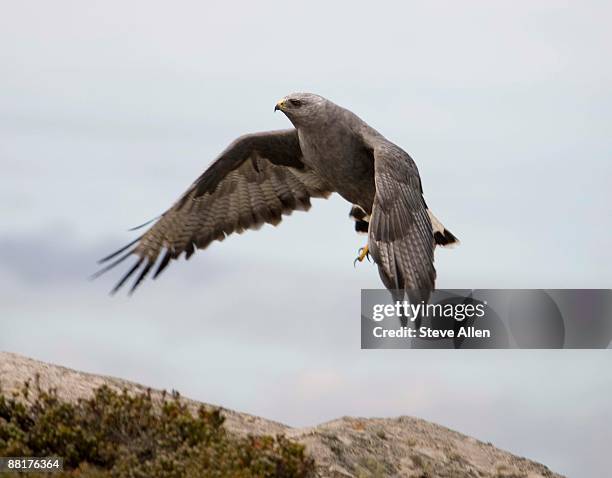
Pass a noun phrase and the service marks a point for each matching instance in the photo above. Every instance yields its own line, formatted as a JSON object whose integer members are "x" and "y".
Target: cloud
{"x": 44, "y": 258}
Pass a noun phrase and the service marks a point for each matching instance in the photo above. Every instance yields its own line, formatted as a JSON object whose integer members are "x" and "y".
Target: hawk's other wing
{"x": 257, "y": 179}
{"x": 400, "y": 234}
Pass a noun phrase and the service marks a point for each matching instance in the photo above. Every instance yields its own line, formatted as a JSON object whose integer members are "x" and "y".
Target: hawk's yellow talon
{"x": 363, "y": 253}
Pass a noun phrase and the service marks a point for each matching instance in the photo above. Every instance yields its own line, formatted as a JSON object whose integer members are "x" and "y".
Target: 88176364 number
{"x": 49, "y": 464}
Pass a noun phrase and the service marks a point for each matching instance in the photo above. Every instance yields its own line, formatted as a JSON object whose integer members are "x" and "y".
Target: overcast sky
{"x": 108, "y": 110}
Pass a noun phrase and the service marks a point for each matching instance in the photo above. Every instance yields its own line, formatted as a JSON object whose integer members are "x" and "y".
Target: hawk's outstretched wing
{"x": 256, "y": 180}
{"x": 401, "y": 239}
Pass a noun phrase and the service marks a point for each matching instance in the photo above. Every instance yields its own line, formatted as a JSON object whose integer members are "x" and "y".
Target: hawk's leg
{"x": 363, "y": 253}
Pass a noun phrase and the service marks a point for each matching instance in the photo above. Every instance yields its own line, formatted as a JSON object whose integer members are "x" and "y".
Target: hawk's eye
{"x": 296, "y": 103}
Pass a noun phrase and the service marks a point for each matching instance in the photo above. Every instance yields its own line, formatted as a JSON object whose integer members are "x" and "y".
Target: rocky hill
{"x": 344, "y": 448}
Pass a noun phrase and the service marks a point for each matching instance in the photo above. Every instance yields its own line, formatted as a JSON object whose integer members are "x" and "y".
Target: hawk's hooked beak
{"x": 279, "y": 105}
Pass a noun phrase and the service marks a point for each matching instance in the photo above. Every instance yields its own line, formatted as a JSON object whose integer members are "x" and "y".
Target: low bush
{"x": 128, "y": 435}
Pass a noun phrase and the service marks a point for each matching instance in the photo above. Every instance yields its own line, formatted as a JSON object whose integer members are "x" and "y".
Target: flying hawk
{"x": 261, "y": 176}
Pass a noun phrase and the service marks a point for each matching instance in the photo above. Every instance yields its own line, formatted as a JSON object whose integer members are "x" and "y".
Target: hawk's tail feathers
{"x": 362, "y": 220}
{"x": 442, "y": 236}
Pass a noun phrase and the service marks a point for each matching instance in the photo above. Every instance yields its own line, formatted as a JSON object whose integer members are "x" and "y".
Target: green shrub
{"x": 129, "y": 436}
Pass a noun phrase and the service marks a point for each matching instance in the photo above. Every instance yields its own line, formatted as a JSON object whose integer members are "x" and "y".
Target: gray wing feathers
{"x": 400, "y": 234}
{"x": 254, "y": 181}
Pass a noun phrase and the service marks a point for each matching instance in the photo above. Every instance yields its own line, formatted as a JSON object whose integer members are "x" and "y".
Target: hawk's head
{"x": 301, "y": 107}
